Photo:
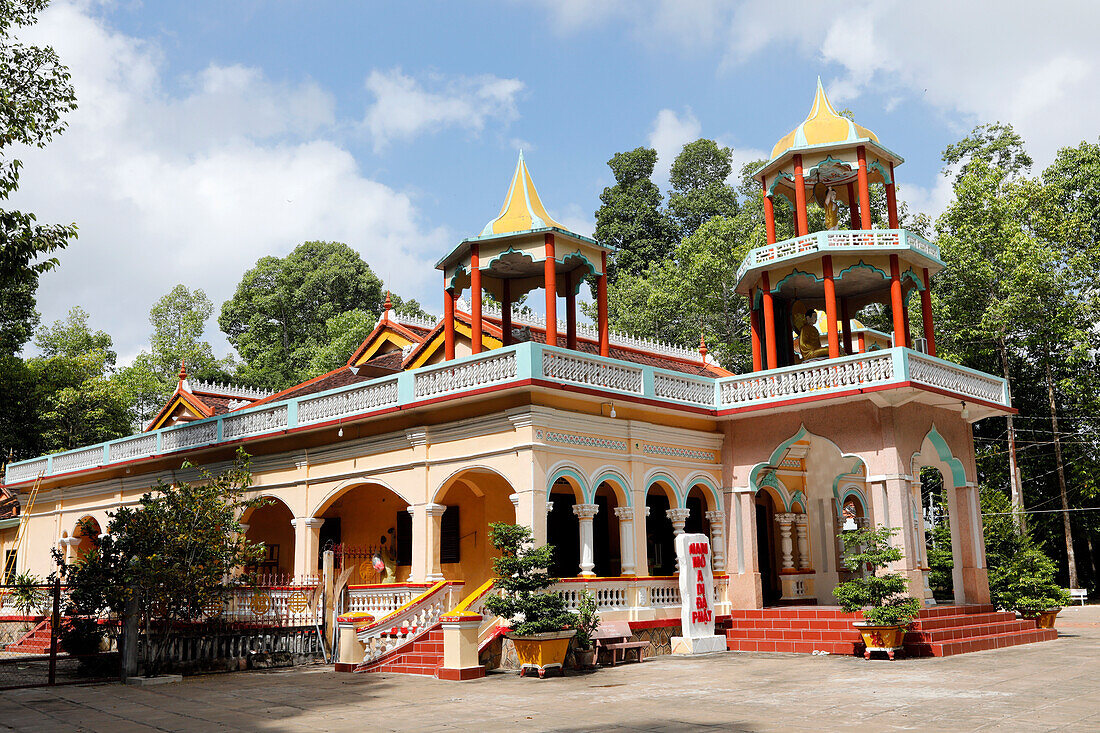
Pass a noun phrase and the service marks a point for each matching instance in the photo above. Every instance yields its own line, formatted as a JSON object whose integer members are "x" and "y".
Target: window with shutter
{"x": 449, "y": 537}
{"x": 403, "y": 537}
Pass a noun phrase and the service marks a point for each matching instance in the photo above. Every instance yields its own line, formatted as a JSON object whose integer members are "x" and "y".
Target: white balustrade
{"x": 189, "y": 435}
{"x": 572, "y": 367}
{"x": 380, "y": 600}
{"x": 137, "y": 447}
{"x": 480, "y": 371}
{"x": 374, "y": 394}
{"x": 290, "y": 605}
{"x": 75, "y": 460}
{"x": 407, "y": 624}
{"x": 255, "y": 422}
{"x": 27, "y": 470}
{"x": 945, "y": 375}
{"x": 684, "y": 389}
{"x": 854, "y": 371}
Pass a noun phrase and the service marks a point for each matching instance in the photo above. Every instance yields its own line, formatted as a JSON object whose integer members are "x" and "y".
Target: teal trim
{"x": 705, "y": 481}
{"x": 774, "y": 457}
{"x": 943, "y": 452}
{"x": 664, "y": 477}
{"x": 511, "y": 250}
{"x": 841, "y": 144}
{"x": 796, "y": 273}
{"x": 877, "y": 165}
{"x": 800, "y": 497}
{"x": 572, "y": 473}
{"x": 861, "y": 265}
{"x": 851, "y": 491}
{"x": 9, "y": 523}
{"x": 451, "y": 285}
{"x": 592, "y": 270}
{"x": 914, "y": 278}
{"x": 828, "y": 159}
{"x": 782, "y": 176}
{"x": 616, "y": 477}
{"x": 772, "y": 481}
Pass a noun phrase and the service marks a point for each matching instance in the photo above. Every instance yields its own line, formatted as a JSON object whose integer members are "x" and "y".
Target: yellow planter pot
{"x": 1045, "y": 620}
{"x": 542, "y": 651}
{"x": 889, "y": 639}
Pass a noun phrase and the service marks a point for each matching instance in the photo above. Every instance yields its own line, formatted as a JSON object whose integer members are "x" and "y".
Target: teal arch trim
{"x": 451, "y": 285}
{"x": 754, "y": 474}
{"x": 800, "y": 497}
{"x": 862, "y": 265}
{"x": 772, "y": 481}
{"x": 572, "y": 473}
{"x": 795, "y": 273}
{"x": 671, "y": 482}
{"x": 758, "y": 299}
{"x": 943, "y": 452}
{"x": 852, "y": 491}
{"x": 509, "y": 251}
{"x": 587, "y": 264}
{"x": 877, "y": 165}
{"x": 912, "y": 276}
{"x": 611, "y": 475}
{"x": 828, "y": 159}
{"x": 782, "y": 176}
{"x": 706, "y": 481}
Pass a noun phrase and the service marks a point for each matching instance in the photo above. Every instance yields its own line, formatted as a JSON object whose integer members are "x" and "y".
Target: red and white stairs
{"x": 35, "y": 641}
{"x": 940, "y": 631}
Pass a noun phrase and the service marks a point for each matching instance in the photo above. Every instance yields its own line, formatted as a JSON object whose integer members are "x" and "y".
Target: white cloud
{"x": 404, "y": 108}
{"x": 194, "y": 187}
{"x": 671, "y": 131}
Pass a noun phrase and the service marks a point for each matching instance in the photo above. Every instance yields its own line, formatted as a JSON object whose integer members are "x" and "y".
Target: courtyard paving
{"x": 1049, "y": 686}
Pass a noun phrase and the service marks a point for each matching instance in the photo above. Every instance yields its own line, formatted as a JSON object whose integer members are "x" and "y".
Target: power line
{"x": 1042, "y": 511}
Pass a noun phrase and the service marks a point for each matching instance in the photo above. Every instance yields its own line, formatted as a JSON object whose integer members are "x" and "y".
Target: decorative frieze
{"x": 672, "y": 451}
{"x": 582, "y": 441}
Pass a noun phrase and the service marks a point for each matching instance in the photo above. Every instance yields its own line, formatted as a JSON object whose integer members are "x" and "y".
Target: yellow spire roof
{"x": 822, "y": 126}
{"x": 522, "y": 209}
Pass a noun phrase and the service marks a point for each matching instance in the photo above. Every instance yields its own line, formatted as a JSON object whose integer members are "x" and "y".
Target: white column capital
{"x": 432, "y": 510}
{"x": 785, "y": 518}
{"x": 715, "y": 516}
{"x": 307, "y": 522}
{"x": 801, "y": 519}
{"x": 678, "y": 515}
{"x": 625, "y": 513}
{"x": 586, "y": 511}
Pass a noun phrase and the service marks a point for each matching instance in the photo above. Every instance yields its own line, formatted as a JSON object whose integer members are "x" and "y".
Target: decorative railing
{"x": 382, "y": 599}
{"x": 408, "y": 622}
{"x": 545, "y": 365}
{"x": 621, "y": 594}
{"x": 832, "y": 240}
{"x": 289, "y": 605}
{"x": 230, "y": 390}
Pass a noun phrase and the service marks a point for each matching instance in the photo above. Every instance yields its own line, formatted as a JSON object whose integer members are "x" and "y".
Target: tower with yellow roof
{"x": 522, "y": 248}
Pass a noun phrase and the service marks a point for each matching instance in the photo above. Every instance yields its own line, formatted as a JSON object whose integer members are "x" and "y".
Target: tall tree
{"x": 699, "y": 188}
{"x": 630, "y": 217}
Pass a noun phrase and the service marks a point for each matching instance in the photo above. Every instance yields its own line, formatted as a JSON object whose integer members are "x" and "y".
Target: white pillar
{"x": 585, "y": 513}
{"x": 307, "y": 541}
{"x": 801, "y": 523}
{"x": 717, "y": 517}
{"x": 625, "y": 515}
{"x": 678, "y": 517}
{"x": 787, "y": 545}
{"x": 426, "y": 567}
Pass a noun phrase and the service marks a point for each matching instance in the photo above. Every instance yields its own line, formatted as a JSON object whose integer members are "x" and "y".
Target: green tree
{"x": 882, "y": 596}
{"x": 345, "y": 332}
{"x": 522, "y": 576}
{"x": 169, "y": 557}
{"x": 279, "y": 316}
{"x": 630, "y": 217}
{"x": 699, "y": 188}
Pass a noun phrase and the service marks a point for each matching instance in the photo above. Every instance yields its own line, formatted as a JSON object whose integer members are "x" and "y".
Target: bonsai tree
{"x": 588, "y": 620}
{"x": 522, "y": 574}
{"x": 882, "y": 596}
{"x": 27, "y": 595}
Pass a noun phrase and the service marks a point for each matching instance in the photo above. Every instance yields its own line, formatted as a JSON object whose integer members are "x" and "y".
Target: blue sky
{"x": 213, "y": 133}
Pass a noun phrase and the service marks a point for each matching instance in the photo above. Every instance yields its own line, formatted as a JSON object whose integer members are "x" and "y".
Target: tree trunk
{"x": 1071, "y": 562}
{"x": 1015, "y": 480}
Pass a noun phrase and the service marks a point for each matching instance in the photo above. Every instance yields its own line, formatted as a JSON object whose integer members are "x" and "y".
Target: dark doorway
{"x": 563, "y": 531}
{"x": 765, "y": 549}
{"x": 660, "y": 548}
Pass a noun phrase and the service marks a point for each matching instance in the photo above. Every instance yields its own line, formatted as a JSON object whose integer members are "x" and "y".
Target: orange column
{"x": 892, "y": 200}
{"x": 550, "y": 280}
{"x": 853, "y": 206}
{"x": 830, "y": 305}
{"x": 769, "y": 324}
{"x": 448, "y": 324}
{"x": 846, "y": 323}
{"x": 506, "y": 311}
{"x": 897, "y": 304}
{"x": 601, "y": 309}
{"x": 475, "y": 297}
{"x": 800, "y": 197}
{"x": 769, "y": 214}
{"x": 570, "y": 313}
{"x": 754, "y": 324}
{"x": 926, "y": 314}
{"x": 864, "y": 190}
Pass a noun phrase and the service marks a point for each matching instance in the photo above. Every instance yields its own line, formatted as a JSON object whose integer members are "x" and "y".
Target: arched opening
{"x": 272, "y": 526}
{"x": 562, "y": 528}
{"x": 360, "y": 522}
{"x": 474, "y": 498}
{"x": 698, "y": 503}
{"x": 606, "y": 540}
{"x": 88, "y": 531}
{"x": 767, "y": 506}
{"x": 936, "y": 524}
{"x": 659, "y": 531}
{"x": 853, "y": 517}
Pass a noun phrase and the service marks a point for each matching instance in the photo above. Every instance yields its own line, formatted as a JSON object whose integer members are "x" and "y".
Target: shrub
{"x": 588, "y": 620}
{"x": 883, "y": 598}
{"x": 521, "y": 574}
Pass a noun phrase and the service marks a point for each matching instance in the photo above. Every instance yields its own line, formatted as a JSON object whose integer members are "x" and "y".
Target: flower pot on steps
{"x": 889, "y": 639}
{"x": 542, "y": 651}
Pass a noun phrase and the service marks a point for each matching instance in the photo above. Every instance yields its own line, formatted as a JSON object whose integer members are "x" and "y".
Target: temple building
{"x": 607, "y": 446}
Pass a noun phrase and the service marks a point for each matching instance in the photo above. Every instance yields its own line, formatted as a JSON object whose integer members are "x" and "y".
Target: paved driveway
{"x": 1049, "y": 686}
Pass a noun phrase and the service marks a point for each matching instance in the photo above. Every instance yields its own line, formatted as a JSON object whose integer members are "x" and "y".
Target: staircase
{"x": 940, "y": 631}
{"x": 422, "y": 655}
{"x": 409, "y": 640}
{"x": 35, "y": 641}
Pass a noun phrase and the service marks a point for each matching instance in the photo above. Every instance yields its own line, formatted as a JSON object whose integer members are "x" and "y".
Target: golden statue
{"x": 832, "y": 211}
{"x": 809, "y": 339}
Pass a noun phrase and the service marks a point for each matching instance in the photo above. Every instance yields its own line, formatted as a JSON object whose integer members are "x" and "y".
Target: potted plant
{"x": 541, "y": 628}
{"x": 28, "y": 595}
{"x": 882, "y": 596}
{"x": 588, "y": 620}
{"x": 1028, "y": 587}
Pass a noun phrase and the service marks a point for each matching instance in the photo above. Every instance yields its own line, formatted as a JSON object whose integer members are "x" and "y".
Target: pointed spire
{"x": 703, "y": 348}
{"x": 823, "y": 125}
{"x": 183, "y": 370}
{"x": 522, "y": 209}
{"x": 387, "y": 307}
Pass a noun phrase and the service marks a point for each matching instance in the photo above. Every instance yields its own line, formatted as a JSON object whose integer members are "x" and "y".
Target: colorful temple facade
{"x": 607, "y": 446}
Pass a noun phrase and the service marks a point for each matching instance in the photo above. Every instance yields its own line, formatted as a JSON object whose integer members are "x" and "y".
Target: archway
{"x": 698, "y": 503}
{"x": 361, "y": 520}
{"x": 660, "y": 532}
{"x": 272, "y": 526}
{"x": 607, "y": 546}
{"x": 768, "y": 504}
{"x": 87, "y": 531}
{"x": 474, "y": 499}
{"x": 562, "y": 528}
{"x": 936, "y": 528}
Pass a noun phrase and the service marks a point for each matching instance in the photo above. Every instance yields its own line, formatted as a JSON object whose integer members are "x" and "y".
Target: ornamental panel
{"x": 483, "y": 372}
{"x": 131, "y": 448}
{"x": 570, "y": 367}
{"x": 684, "y": 389}
{"x": 354, "y": 401}
{"x": 65, "y": 462}
{"x": 253, "y": 423}
{"x": 189, "y": 435}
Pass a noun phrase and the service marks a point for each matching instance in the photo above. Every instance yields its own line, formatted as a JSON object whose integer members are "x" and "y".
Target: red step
{"x": 423, "y": 655}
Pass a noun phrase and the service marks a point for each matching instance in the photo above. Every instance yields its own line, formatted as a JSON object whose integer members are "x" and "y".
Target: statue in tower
{"x": 832, "y": 211}
{"x": 809, "y": 339}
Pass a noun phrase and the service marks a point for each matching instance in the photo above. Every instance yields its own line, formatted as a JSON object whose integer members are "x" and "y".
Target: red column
{"x": 754, "y": 322}
{"x": 864, "y": 190}
{"x": 853, "y": 206}
{"x": 846, "y": 323}
{"x": 800, "y": 197}
{"x": 769, "y": 323}
{"x": 769, "y": 214}
{"x": 448, "y": 324}
{"x": 475, "y": 297}
{"x": 926, "y": 314}
{"x": 550, "y": 280}
{"x": 506, "y": 311}
{"x": 601, "y": 309}
{"x": 830, "y": 305}
{"x": 892, "y": 200}
{"x": 897, "y": 304}
{"x": 570, "y": 313}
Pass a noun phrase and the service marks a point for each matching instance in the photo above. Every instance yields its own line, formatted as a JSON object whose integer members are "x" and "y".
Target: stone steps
{"x": 423, "y": 655}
